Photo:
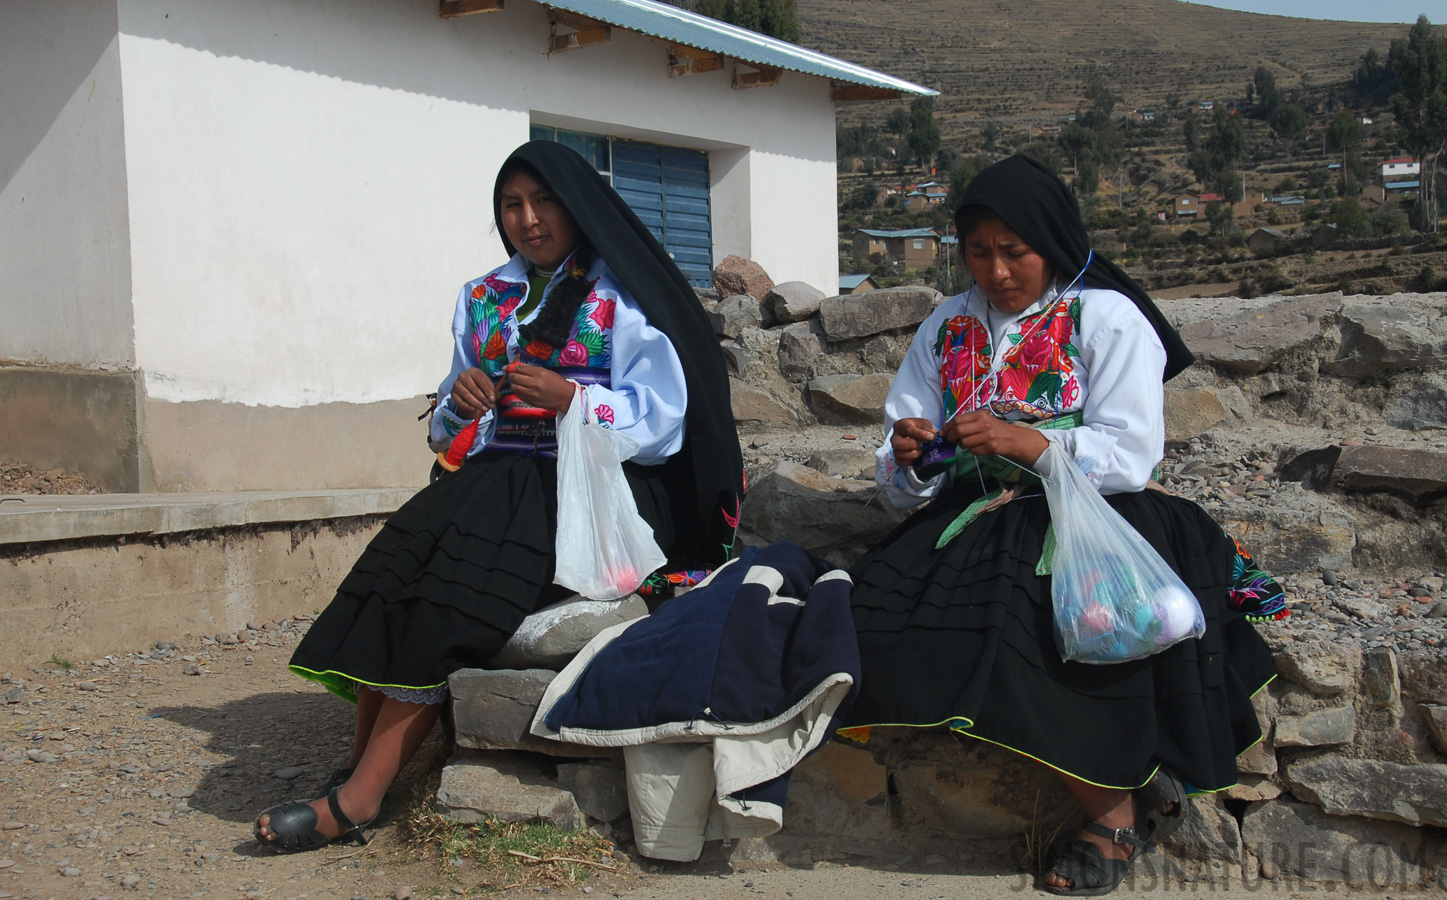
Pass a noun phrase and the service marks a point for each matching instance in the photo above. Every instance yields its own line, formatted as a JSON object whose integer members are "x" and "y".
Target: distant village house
{"x": 914, "y": 248}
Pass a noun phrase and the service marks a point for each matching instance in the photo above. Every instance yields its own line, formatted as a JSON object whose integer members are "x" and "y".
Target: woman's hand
{"x": 909, "y": 435}
{"x": 540, "y": 387}
{"x": 473, "y": 393}
{"x": 984, "y": 435}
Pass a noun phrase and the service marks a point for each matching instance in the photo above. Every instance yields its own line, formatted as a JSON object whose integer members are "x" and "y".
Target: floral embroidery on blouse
{"x": 1035, "y": 378}
{"x": 490, "y": 317}
{"x": 604, "y": 412}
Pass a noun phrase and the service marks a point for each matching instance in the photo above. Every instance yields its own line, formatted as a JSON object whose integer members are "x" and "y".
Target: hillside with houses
{"x": 1269, "y": 162}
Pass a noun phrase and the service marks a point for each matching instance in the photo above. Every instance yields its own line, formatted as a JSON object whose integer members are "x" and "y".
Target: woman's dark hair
{"x": 554, "y": 324}
{"x": 968, "y": 218}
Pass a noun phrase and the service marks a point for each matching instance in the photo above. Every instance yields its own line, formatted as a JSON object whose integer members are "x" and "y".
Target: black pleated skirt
{"x": 452, "y": 574}
{"x": 963, "y": 637}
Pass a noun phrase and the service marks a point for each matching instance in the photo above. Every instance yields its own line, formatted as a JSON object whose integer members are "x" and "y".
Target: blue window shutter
{"x": 668, "y": 188}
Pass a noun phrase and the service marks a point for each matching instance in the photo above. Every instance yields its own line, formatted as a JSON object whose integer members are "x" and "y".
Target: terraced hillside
{"x": 1024, "y": 61}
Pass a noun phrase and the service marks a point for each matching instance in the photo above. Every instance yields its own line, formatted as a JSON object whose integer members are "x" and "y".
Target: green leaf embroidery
{"x": 1071, "y": 351}
{"x": 1045, "y": 385}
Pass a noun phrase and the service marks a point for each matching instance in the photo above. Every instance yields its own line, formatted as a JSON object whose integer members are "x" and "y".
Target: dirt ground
{"x": 132, "y": 776}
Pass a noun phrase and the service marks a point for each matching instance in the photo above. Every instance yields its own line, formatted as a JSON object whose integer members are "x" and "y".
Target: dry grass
{"x": 1039, "y": 838}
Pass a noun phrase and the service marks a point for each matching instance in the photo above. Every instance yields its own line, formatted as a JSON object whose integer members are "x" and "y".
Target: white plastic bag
{"x": 604, "y": 547}
{"x": 1115, "y": 598}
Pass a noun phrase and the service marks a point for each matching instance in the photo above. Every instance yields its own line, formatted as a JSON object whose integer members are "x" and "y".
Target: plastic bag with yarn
{"x": 1115, "y": 599}
{"x": 605, "y": 549}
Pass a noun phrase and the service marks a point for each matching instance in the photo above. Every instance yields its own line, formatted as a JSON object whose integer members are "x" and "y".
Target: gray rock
{"x": 832, "y": 518}
{"x": 757, "y": 408}
{"x": 553, "y": 635}
{"x": 1423, "y": 675}
{"x": 736, "y": 275}
{"x": 1312, "y": 468}
{"x": 861, "y": 315}
{"x": 1254, "y": 788}
{"x": 1380, "y": 335}
{"x": 793, "y": 301}
{"x": 1411, "y": 794}
{"x": 1436, "y": 718}
{"x": 600, "y": 791}
{"x": 1284, "y": 539}
{"x": 1424, "y": 405}
{"x": 493, "y": 710}
{"x": 1259, "y": 759}
{"x": 1209, "y": 832}
{"x": 288, "y": 773}
{"x": 1420, "y": 475}
{"x": 1260, "y": 335}
{"x": 1321, "y": 728}
{"x": 849, "y": 400}
{"x": 735, "y": 313}
{"x": 843, "y": 463}
{"x": 504, "y": 788}
{"x": 1294, "y": 839}
{"x": 15, "y": 694}
{"x": 1381, "y": 682}
{"x": 1192, "y": 411}
{"x": 799, "y": 343}
{"x": 1324, "y": 669}
{"x": 739, "y": 360}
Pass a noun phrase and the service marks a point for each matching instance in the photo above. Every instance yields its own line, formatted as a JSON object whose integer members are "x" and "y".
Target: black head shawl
{"x": 1038, "y": 206}
{"x": 709, "y": 466}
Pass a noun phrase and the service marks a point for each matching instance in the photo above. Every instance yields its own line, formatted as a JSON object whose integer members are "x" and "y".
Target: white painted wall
{"x": 64, "y": 243}
{"x": 310, "y": 183}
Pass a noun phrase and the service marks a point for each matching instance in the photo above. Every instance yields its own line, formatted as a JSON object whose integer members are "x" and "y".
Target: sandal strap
{"x": 350, "y": 828}
{"x": 1117, "y": 835}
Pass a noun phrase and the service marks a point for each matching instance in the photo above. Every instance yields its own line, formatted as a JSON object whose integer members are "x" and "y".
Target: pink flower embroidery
{"x": 574, "y": 354}
{"x": 1069, "y": 391}
{"x": 1036, "y": 352}
{"x": 604, "y": 412}
{"x": 603, "y": 313}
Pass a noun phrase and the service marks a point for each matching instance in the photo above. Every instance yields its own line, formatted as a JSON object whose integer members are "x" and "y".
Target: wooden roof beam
{"x": 587, "y": 31}
{"x": 764, "y": 76}
{"x": 451, "y": 9}
{"x": 689, "y": 60}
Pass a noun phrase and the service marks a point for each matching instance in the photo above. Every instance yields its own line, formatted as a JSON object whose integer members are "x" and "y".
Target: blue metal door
{"x": 668, "y": 188}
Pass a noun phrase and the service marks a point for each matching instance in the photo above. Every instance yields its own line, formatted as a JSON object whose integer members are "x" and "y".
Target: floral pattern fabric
{"x": 1034, "y": 378}
{"x": 494, "y": 331}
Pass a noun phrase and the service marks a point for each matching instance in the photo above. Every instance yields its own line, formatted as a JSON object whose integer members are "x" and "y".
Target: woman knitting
{"x": 589, "y": 309}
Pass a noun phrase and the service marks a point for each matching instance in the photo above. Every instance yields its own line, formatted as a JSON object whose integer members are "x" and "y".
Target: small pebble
{"x": 1439, "y": 611}
{"x": 70, "y": 872}
{"x": 402, "y": 893}
{"x": 12, "y": 826}
{"x": 1328, "y": 577}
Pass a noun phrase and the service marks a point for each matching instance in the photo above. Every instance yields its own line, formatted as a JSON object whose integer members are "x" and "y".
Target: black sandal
{"x": 294, "y": 825}
{"x": 1161, "y": 804}
{"x": 1094, "y": 875}
{"x": 335, "y": 780}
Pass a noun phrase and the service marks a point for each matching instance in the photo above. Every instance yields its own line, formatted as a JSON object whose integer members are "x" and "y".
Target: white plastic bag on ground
{"x": 604, "y": 547}
{"x": 1115, "y": 598}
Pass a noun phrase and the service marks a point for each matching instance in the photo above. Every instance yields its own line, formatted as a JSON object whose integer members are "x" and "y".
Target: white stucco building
{"x": 231, "y": 233}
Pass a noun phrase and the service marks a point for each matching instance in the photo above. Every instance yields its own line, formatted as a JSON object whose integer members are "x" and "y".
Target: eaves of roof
{"x": 690, "y": 29}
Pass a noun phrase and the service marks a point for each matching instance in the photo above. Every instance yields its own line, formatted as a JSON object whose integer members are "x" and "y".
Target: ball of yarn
{"x": 1178, "y": 612}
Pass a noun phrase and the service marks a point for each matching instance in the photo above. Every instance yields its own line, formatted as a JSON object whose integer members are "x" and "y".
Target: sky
{"x": 1347, "y": 10}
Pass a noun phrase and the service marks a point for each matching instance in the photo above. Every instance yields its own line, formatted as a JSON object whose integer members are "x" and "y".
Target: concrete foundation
{"x": 81, "y": 577}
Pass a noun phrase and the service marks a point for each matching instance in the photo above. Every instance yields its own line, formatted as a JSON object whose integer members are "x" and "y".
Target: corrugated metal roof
{"x": 694, "y": 30}
{"x": 903, "y": 233}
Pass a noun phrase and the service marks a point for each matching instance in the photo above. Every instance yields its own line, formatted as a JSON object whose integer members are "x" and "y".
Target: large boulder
{"x": 493, "y": 710}
{"x": 847, "y": 400}
{"x": 735, "y": 313}
{"x": 1419, "y": 475}
{"x": 1192, "y": 411}
{"x": 1322, "y": 668}
{"x": 736, "y": 275}
{"x": 836, "y": 519}
{"x": 793, "y": 301}
{"x": 500, "y": 787}
{"x": 1319, "y": 728}
{"x": 799, "y": 344}
{"x": 1413, "y": 795}
{"x": 756, "y": 408}
{"x": 1297, "y": 840}
{"x": 553, "y": 635}
{"x": 1251, "y": 336}
{"x": 861, "y": 315}
{"x": 1292, "y": 535}
{"x": 1422, "y": 405}
{"x": 1380, "y": 335}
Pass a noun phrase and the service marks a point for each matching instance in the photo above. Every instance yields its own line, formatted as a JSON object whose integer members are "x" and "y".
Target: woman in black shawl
{"x": 1051, "y": 344}
{"x": 589, "y": 309}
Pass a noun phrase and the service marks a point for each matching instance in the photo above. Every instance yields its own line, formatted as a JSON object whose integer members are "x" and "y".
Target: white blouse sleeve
{"x": 915, "y": 393}
{"x": 446, "y": 422}
{"x": 649, "y": 396}
{"x": 1124, "y": 434}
